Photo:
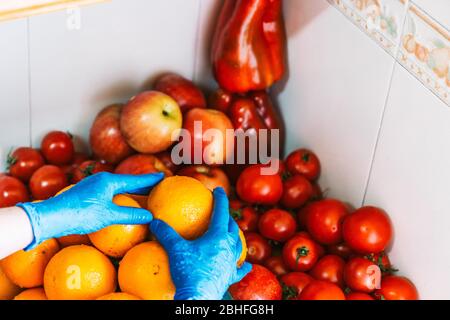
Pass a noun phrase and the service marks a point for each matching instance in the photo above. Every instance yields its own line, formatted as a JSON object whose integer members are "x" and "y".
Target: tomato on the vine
{"x": 322, "y": 290}
{"x": 329, "y": 268}
{"x": 396, "y": 288}
{"x": 360, "y": 274}
{"x": 297, "y": 190}
{"x": 367, "y": 230}
{"x": 258, "y": 248}
{"x": 246, "y": 216}
{"x": 293, "y": 284}
{"x": 89, "y": 168}
{"x": 47, "y": 181}
{"x": 23, "y": 162}
{"x": 276, "y": 265}
{"x": 300, "y": 253}
{"x": 258, "y": 187}
{"x": 57, "y": 148}
{"x": 277, "y": 225}
{"x": 324, "y": 220}
{"x": 304, "y": 162}
{"x": 12, "y": 191}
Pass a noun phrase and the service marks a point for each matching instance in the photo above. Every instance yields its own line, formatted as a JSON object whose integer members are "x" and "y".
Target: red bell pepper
{"x": 249, "y": 46}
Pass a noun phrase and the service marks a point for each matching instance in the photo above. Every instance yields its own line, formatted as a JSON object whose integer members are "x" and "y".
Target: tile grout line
{"x": 30, "y": 104}
{"x": 386, "y": 102}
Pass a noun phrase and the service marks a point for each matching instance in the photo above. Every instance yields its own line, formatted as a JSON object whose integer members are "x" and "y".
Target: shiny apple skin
{"x": 211, "y": 177}
{"x": 149, "y": 120}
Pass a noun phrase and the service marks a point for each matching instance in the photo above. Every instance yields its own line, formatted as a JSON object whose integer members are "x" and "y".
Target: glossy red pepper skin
{"x": 249, "y": 46}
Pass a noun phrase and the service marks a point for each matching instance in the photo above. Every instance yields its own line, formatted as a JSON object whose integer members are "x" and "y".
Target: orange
{"x": 142, "y": 200}
{"x": 244, "y": 249}
{"x": 79, "y": 273}
{"x": 144, "y": 272}
{"x": 32, "y": 294}
{"x": 184, "y": 203}
{"x": 73, "y": 240}
{"x": 119, "y": 296}
{"x": 26, "y": 269}
{"x": 116, "y": 240}
{"x": 7, "y": 288}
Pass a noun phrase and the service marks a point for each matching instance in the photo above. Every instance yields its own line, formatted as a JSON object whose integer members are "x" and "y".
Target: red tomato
{"x": 259, "y": 284}
{"x": 397, "y": 288}
{"x": 342, "y": 250}
{"x": 297, "y": 190}
{"x": 329, "y": 268}
{"x": 322, "y": 290}
{"x": 304, "y": 162}
{"x": 276, "y": 265}
{"x": 359, "y": 296}
{"x": 382, "y": 260}
{"x": 258, "y": 248}
{"x": 253, "y": 186}
{"x": 89, "y": 168}
{"x": 300, "y": 253}
{"x": 47, "y": 181}
{"x": 367, "y": 230}
{"x": 58, "y": 148}
{"x": 294, "y": 283}
{"x": 362, "y": 275}
{"x": 277, "y": 225}
{"x": 23, "y": 162}
{"x": 246, "y": 217}
{"x": 324, "y": 220}
{"x": 12, "y": 191}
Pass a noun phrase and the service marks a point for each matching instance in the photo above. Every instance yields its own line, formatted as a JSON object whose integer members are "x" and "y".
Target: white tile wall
{"x": 335, "y": 95}
{"x": 121, "y": 46}
{"x": 14, "y": 99}
{"x": 410, "y": 179}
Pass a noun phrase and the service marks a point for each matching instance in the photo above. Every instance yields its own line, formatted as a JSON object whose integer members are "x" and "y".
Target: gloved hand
{"x": 204, "y": 269}
{"x": 87, "y": 207}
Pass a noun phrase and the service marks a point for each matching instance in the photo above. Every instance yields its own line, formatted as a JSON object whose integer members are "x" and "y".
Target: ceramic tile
{"x": 410, "y": 180}
{"x": 14, "y": 97}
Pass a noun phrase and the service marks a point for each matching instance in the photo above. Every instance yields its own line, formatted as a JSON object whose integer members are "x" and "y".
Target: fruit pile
{"x": 307, "y": 247}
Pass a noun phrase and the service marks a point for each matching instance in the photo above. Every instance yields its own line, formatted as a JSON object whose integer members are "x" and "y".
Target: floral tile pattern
{"x": 407, "y": 33}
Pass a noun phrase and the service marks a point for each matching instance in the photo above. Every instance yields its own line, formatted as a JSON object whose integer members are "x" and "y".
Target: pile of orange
{"x": 120, "y": 262}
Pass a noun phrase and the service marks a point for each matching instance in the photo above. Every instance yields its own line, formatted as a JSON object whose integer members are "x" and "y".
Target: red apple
{"x": 166, "y": 158}
{"x": 215, "y": 148}
{"x": 106, "y": 139}
{"x": 183, "y": 91}
{"x": 210, "y": 177}
{"x": 142, "y": 164}
{"x": 149, "y": 120}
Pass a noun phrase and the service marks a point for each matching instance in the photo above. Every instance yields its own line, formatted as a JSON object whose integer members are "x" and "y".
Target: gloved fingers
{"x": 128, "y": 215}
{"x": 165, "y": 234}
{"x": 136, "y": 184}
{"x": 221, "y": 213}
{"x": 233, "y": 228}
{"x": 243, "y": 271}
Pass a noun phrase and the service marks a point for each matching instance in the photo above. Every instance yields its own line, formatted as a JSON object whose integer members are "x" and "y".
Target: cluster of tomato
{"x": 39, "y": 174}
{"x": 307, "y": 247}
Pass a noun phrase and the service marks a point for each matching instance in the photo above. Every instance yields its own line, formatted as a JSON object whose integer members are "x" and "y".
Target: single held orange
{"x": 32, "y": 294}
{"x": 26, "y": 268}
{"x": 244, "y": 249}
{"x": 144, "y": 272}
{"x": 119, "y": 296}
{"x": 184, "y": 203}
{"x": 8, "y": 289}
{"x": 79, "y": 273}
{"x": 116, "y": 240}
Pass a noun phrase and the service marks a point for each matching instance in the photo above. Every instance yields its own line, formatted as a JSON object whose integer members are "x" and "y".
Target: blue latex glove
{"x": 204, "y": 269}
{"x": 87, "y": 207}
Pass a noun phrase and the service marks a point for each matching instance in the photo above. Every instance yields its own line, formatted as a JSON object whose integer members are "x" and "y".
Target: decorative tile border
{"x": 422, "y": 47}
